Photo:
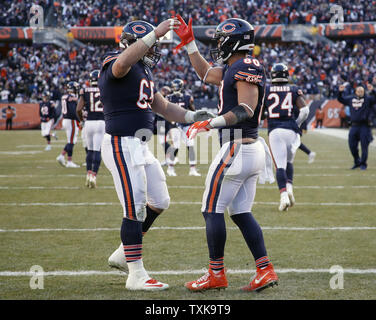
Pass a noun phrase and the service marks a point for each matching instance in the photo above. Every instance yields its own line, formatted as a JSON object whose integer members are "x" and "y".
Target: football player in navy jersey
{"x": 179, "y": 133}
{"x": 47, "y": 114}
{"x": 70, "y": 124}
{"x": 129, "y": 98}
{"x": 162, "y": 128}
{"x": 361, "y": 111}
{"x": 283, "y": 129}
{"x": 90, "y": 103}
{"x": 232, "y": 176}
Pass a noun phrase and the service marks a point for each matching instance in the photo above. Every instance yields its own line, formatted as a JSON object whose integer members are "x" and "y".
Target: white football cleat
{"x": 140, "y": 280}
{"x": 47, "y": 148}
{"x": 93, "y": 182}
{"x": 193, "y": 172}
{"x": 311, "y": 157}
{"x": 71, "y": 164}
{"x": 87, "y": 182}
{"x": 117, "y": 259}
{"x": 61, "y": 160}
{"x": 284, "y": 203}
{"x": 171, "y": 171}
{"x": 290, "y": 193}
{"x": 54, "y": 135}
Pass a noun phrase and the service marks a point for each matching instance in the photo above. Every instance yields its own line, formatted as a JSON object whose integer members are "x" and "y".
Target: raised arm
{"x": 138, "y": 49}
{"x": 202, "y": 67}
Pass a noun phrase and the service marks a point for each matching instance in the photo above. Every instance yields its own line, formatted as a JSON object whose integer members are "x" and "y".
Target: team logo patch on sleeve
{"x": 251, "y": 78}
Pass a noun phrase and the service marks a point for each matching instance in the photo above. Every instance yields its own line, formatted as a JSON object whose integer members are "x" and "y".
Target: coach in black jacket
{"x": 361, "y": 112}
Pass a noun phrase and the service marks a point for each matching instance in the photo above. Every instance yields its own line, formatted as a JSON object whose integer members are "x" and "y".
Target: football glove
{"x": 200, "y": 126}
{"x": 184, "y": 32}
{"x": 200, "y": 115}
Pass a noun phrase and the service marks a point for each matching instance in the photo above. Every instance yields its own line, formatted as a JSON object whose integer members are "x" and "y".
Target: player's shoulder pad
{"x": 110, "y": 56}
{"x": 248, "y": 69}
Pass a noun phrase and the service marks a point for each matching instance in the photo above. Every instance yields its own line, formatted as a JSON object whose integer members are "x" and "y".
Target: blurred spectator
{"x": 9, "y": 118}
{"x": 68, "y": 13}
{"x": 316, "y": 68}
{"x": 319, "y": 114}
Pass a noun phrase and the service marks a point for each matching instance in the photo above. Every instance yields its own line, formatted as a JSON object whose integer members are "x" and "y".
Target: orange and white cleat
{"x": 208, "y": 281}
{"x": 263, "y": 279}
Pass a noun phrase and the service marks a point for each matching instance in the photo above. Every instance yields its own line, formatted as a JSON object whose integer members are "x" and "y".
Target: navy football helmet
{"x": 135, "y": 30}
{"x": 177, "y": 85}
{"x": 46, "y": 96}
{"x": 73, "y": 87}
{"x": 93, "y": 78}
{"x": 232, "y": 35}
{"x": 280, "y": 73}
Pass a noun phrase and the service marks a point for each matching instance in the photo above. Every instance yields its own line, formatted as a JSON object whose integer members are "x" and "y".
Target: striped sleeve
{"x": 109, "y": 59}
{"x": 251, "y": 77}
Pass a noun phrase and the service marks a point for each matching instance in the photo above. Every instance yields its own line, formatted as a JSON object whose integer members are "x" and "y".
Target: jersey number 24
{"x": 286, "y": 104}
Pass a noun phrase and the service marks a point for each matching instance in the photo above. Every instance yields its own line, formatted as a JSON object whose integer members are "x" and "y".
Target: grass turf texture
{"x": 328, "y": 183}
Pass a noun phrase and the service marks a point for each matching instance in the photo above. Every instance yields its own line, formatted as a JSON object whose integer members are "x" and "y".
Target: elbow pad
{"x": 241, "y": 114}
{"x": 303, "y": 115}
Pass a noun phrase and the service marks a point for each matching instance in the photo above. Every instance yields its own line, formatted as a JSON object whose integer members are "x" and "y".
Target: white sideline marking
{"x": 17, "y": 153}
{"x": 171, "y": 272}
{"x": 190, "y": 228}
{"x": 179, "y": 187}
{"x": 69, "y": 204}
{"x": 83, "y": 175}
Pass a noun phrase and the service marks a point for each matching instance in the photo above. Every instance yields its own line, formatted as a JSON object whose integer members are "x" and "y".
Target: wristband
{"x": 191, "y": 47}
{"x": 150, "y": 39}
{"x": 218, "y": 122}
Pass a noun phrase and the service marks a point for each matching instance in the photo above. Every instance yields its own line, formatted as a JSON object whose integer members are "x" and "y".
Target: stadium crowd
{"x": 70, "y": 13}
{"x": 318, "y": 69}
{"x": 26, "y": 71}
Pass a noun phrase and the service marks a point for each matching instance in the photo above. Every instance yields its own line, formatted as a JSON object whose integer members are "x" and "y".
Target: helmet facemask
{"x": 228, "y": 44}
{"x": 151, "y": 57}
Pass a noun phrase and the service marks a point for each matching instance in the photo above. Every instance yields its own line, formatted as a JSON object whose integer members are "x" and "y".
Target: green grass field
{"x": 48, "y": 218}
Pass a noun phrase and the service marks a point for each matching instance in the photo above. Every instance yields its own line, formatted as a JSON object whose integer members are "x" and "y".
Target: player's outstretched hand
{"x": 202, "y": 115}
{"x": 165, "y": 26}
{"x": 197, "y": 127}
{"x": 184, "y": 32}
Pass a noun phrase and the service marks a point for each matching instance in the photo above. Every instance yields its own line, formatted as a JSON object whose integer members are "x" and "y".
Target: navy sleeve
{"x": 107, "y": 63}
{"x": 344, "y": 100}
{"x": 250, "y": 70}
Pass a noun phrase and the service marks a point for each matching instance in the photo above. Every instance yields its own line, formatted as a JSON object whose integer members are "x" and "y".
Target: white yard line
{"x": 69, "y": 204}
{"x": 180, "y": 187}
{"x": 66, "y": 273}
{"x": 277, "y": 228}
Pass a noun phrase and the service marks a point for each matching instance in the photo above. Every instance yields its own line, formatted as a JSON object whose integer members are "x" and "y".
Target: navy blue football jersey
{"x": 280, "y": 103}
{"x": 68, "y": 106}
{"x": 361, "y": 109}
{"x": 127, "y": 100}
{"x": 183, "y": 100}
{"x": 92, "y": 103}
{"x": 46, "y": 111}
{"x": 250, "y": 70}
